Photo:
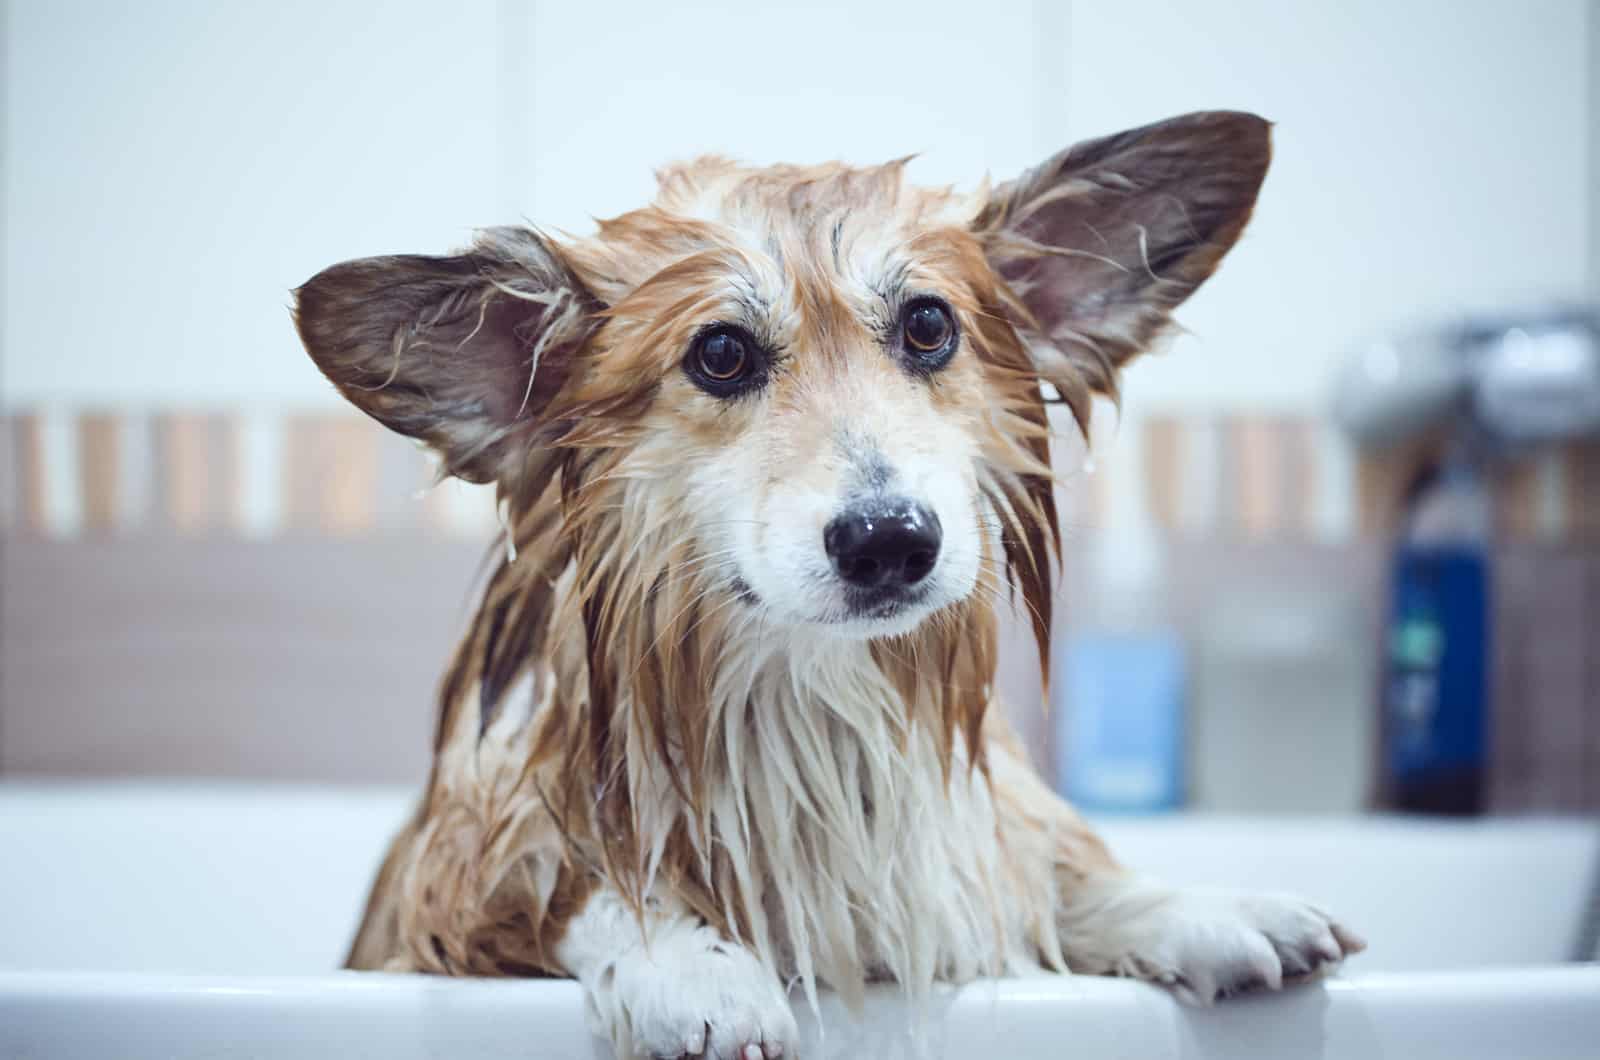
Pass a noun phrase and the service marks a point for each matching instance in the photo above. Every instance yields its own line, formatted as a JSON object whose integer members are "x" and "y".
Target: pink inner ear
{"x": 1101, "y": 242}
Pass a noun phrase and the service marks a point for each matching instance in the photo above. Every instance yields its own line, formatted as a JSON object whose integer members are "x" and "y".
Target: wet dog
{"x": 772, "y": 453}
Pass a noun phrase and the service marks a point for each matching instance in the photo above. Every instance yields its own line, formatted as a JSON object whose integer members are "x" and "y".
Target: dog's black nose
{"x": 890, "y": 545}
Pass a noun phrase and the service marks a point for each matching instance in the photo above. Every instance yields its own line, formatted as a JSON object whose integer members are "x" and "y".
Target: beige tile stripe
{"x": 1581, "y": 465}
{"x": 1164, "y": 468}
{"x": 351, "y": 479}
{"x": 1256, "y": 458}
{"x": 28, "y": 459}
{"x": 330, "y": 475}
{"x": 99, "y": 470}
{"x": 196, "y": 472}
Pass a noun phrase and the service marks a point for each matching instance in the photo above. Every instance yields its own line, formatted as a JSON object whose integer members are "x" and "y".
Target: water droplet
{"x": 503, "y": 511}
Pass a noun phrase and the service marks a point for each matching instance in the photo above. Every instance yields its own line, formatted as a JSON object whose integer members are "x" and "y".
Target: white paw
{"x": 1207, "y": 945}
{"x": 691, "y": 994}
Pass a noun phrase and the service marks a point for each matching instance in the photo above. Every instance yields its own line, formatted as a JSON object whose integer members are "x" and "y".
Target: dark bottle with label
{"x": 1437, "y": 650}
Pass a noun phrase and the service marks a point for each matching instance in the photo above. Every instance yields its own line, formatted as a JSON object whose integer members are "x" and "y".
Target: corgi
{"x": 772, "y": 454}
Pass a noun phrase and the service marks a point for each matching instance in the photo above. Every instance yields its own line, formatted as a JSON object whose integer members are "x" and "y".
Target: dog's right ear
{"x": 462, "y": 352}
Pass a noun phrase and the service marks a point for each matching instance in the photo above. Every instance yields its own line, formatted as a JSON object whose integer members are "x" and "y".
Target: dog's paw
{"x": 692, "y": 994}
{"x": 1207, "y": 945}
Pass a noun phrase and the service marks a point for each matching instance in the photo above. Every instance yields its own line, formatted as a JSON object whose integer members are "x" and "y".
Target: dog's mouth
{"x": 861, "y": 609}
{"x": 880, "y": 604}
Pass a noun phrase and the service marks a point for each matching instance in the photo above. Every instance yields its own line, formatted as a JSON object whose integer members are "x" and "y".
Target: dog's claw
{"x": 1349, "y": 940}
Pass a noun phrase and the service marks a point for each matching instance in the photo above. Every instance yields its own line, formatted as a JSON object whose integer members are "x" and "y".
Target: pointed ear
{"x": 1102, "y": 241}
{"x": 463, "y": 352}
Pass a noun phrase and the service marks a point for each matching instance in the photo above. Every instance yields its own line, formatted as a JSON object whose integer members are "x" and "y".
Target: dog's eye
{"x": 724, "y": 361}
{"x": 723, "y": 356}
{"x": 930, "y": 333}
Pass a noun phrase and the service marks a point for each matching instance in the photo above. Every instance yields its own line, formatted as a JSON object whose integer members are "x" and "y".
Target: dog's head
{"x": 820, "y": 389}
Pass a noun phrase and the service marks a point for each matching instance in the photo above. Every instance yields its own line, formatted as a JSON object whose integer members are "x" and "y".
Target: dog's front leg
{"x": 672, "y": 986}
{"x": 1204, "y": 944}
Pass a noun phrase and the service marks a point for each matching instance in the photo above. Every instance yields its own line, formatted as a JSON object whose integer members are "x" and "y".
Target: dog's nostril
{"x": 917, "y": 565}
{"x": 881, "y": 545}
{"x": 864, "y": 569}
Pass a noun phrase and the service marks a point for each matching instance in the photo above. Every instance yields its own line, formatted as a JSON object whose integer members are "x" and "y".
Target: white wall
{"x": 1430, "y": 158}
{"x": 173, "y": 169}
{"x": 1593, "y": 178}
{"x": 862, "y": 82}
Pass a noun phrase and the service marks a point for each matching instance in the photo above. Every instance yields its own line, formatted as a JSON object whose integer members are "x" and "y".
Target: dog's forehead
{"x": 716, "y": 189}
{"x": 776, "y": 226}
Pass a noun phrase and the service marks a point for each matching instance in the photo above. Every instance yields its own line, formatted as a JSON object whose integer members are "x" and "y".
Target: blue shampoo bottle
{"x": 1121, "y": 675}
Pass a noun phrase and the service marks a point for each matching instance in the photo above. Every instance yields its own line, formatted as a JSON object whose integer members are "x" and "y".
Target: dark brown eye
{"x": 725, "y": 361}
{"x": 723, "y": 356}
{"x": 928, "y": 327}
{"x": 929, "y": 332}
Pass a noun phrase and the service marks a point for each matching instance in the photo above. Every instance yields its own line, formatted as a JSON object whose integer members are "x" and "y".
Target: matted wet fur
{"x": 677, "y": 756}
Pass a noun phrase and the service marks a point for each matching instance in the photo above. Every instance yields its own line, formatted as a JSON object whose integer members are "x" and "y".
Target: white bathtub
{"x": 201, "y": 921}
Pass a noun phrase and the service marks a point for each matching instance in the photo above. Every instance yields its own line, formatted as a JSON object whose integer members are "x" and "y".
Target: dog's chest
{"x": 873, "y": 855}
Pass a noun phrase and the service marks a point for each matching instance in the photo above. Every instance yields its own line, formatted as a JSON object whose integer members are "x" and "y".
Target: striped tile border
{"x": 96, "y": 472}
{"x": 1252, "y": 477}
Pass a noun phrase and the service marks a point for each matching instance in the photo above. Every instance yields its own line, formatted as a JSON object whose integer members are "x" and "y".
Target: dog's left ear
{"x": 1102, "y": 241}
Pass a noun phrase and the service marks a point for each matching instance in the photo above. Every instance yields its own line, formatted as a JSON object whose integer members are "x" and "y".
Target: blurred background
{"x": 1341, "y": 552}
